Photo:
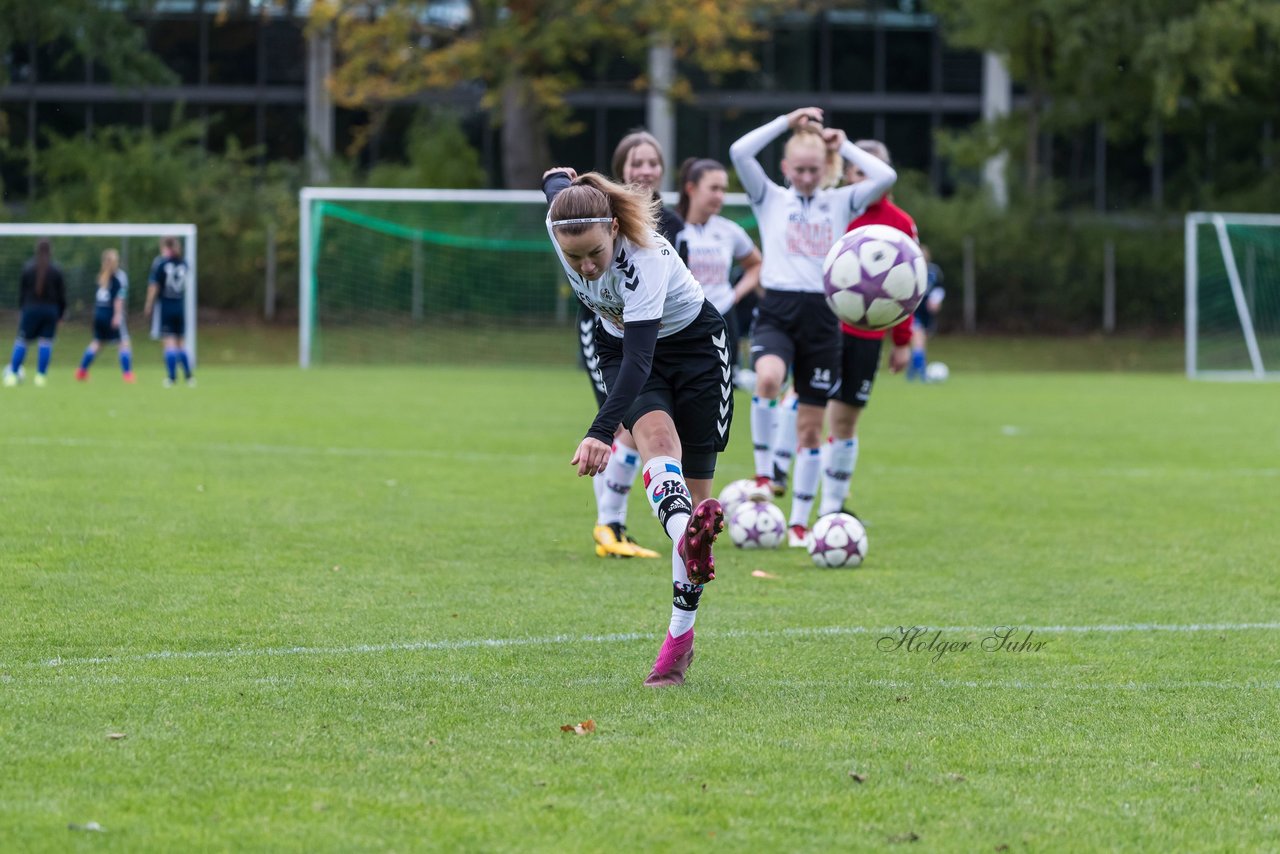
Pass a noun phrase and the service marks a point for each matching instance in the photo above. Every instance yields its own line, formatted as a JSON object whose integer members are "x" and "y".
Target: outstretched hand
{"x": 569, "y": 170}
{"x": 591, "y": 457}
{"x": 804, "y": 116}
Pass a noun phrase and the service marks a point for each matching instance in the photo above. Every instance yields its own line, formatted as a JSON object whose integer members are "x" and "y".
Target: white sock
{"x": 669, "y": 497}
{"x": 784, "y": 437}
{"x": 840, "y": 457}
{"x": 808, "y": 470}
{"x": 762, "y": 421}
{"x": 611, "y": 505}
{"x": 597, "y": 486}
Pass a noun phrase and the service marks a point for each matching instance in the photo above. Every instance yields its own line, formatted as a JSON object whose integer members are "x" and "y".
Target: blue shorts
{"x": 39, "y": 321}
{"x": 173, "y": 322}
{"x": 102, "y": 330}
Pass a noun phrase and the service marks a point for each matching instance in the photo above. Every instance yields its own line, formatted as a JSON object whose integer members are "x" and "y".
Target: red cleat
{"x": 695, "y": 544}
{"x": 130, "y": 378}
{"x": 82, "y": 375}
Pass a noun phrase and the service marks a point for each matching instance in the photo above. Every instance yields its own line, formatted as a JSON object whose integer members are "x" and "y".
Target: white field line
{"x": 498, "y": 456}
{"x": 569, "y": 640}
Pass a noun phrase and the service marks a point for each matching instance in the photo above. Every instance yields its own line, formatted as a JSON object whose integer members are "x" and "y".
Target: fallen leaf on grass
{"x": 858, "y": 778}
{"x": 909, "y": 836}
{"x": 955, "y": 778}
{"x": 580, "y": 729}
{"x": 760, "y": 573}
{"x": 116, "y": 736}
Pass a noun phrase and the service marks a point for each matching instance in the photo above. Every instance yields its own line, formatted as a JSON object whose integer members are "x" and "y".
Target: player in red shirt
{"x": 861, "y": 356}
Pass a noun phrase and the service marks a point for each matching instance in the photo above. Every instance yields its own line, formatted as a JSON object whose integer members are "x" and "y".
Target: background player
{"x": 42, "y": 295}
{"x": 860, "y": 351}
{"x": 661, "y": 347}
{"x": 711, "y": 244}
{"x": 926, "y": 319}
{"x": 109, "y": 317}
{"x": 638, "y": 160}
{"x": 795, "y": 329}
{"x": 168, "y": 281}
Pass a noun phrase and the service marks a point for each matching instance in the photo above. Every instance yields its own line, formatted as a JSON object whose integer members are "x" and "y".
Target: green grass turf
{"x": 282, "y": 587}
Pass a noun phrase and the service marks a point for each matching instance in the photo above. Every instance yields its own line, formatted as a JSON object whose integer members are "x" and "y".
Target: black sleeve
{"x": 638, "y": 342}
{"x": 554, "y": 183}
{"x": 670, "y": 225}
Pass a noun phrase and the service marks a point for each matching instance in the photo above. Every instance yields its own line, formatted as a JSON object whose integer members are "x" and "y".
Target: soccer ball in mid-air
{"x": 838, "y": 540}
{"x": 936, "y": 372}
{"x": 874, "y": 277}
{"x": 735, "y": 495}
{"x": 757, "y": 525}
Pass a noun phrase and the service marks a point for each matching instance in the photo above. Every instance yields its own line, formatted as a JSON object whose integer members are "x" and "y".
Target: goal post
{"x": 445, "y": 276}
{"x": 77, "y": 250}
{"x": 1232, "y": 296}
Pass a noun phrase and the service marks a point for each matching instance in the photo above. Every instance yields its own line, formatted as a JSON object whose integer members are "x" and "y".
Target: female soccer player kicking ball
{"x": 664, "y": 360}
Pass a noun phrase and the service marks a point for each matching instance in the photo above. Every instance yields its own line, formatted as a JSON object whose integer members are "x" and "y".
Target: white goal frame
{"x": 1219, "y": 221}
{"x": 309, "y": 196}
{"x": 184, "y": 230}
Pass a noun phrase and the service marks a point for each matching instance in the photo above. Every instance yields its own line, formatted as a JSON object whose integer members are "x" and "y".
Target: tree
{"x": 524, "y": 55}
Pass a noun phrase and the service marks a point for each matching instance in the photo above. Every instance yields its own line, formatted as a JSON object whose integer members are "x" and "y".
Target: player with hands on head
{"x": 795, "y": 329}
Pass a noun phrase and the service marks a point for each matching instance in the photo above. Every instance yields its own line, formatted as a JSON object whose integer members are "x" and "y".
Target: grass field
{"x": 351, "y": 609}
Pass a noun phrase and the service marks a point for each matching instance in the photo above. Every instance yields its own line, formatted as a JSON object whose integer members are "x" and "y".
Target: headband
{"x": 554, "y": 223}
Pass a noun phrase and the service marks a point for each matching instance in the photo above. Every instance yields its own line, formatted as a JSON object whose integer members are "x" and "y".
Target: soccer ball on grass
{"x": 838, "y": 540}
{"x": 757, "y": 525}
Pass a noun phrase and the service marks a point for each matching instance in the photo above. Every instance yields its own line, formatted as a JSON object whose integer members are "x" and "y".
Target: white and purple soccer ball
{"x": 735, "y": 495}
{"x": 874, "y": 277}
{"x": 757, "y": 525}
{"x": 837, "y": 541}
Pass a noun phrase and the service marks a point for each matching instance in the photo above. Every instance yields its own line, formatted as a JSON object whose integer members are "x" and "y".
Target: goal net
{"x": 434, "y": 277}
{"x": 1233, "y": 296}
{"x": 77, "y": 249}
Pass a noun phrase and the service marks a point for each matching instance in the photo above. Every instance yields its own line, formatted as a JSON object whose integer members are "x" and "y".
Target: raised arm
{"x": 743, "y": 154}
{"x": 556, "y": 179}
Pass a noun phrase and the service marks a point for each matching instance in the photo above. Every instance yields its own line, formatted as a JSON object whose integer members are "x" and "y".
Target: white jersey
{"x": 640, "y": 284}
{"x": 796, "y": 231}
{"x": 712, "y": 248}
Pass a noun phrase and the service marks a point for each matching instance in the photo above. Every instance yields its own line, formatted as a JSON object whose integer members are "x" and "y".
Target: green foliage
{"x": 124, "y": 174}
{"x": 1038, "y": 269}
{"x": 91, "y": 29}
{"x": 439, "y": 156}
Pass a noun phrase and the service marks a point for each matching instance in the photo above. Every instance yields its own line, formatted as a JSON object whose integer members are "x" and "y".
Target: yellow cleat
{"x": 612, "y": 541}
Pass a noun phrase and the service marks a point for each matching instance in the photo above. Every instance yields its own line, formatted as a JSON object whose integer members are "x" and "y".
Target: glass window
{"x": 286, "y": 53}
{"x": 795, "y": 58}
{"x": 961, "y": 71}
{"x": 692, "y": 136}
{"x": 58, "y": 62}
{"x": 908, "y": 60}
{"x": 233, "y": 52}
{"x": 177, "y": 42}
{"x": 64, "y": 120}
{"x": 232, "y": 121}
{"x": 910, "y": 140}
{"x": 852, "y": 59}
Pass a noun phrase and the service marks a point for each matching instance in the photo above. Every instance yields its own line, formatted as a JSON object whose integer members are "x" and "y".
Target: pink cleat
{"x": 82, "y": 375}
{"x": 129, "y": 377}
{"x": 695, "y": 545}
{"x": 673, "y": 660}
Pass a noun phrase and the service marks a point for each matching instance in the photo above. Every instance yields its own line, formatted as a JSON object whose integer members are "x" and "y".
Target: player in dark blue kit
{"x": 108, "y": 318}
{"x": 43, "y": 299}
{"x": 168, "y": 281}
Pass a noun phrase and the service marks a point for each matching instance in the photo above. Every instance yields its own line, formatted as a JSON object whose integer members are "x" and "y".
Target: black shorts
{"x": 801, "y": 329}
{"x": 587, "y": 357}
{"x": 860, "y": 359}
{"x": 173, "y": 321}
{"x": 39, "y": 321}
{"x": 103, "y": 331}
{"x": 925, "y": 320}
{"x": 691, "y": 381}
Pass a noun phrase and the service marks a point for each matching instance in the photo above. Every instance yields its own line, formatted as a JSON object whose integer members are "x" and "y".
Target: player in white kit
{"x": 795, "y": 329}
{"x": 664, "y": 362}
